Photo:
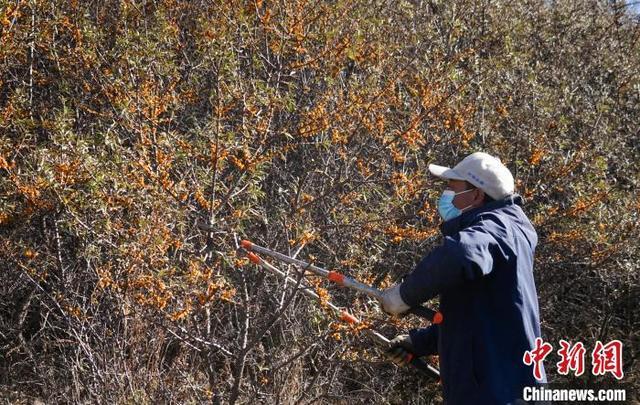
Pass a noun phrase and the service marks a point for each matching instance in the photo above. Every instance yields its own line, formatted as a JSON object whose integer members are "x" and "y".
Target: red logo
{"x": 605, "y": 358}
{"x": 608, "y": 359}
{"x": 572, "y": 358}
{"x": 537, "y": 356}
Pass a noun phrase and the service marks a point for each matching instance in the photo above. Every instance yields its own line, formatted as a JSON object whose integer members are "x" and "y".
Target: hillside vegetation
{"x": 141, "y": 140}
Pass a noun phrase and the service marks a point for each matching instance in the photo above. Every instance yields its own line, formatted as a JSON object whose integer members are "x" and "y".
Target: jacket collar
{"x": 455, "y": 225}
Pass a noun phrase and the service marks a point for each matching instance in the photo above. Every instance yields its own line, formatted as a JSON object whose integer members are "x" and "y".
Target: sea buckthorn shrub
{"x": 141, "y": 140}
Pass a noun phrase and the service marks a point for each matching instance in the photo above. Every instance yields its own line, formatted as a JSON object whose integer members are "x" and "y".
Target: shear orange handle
{"x": 437, "y": 318}
{"x": 336, "y": 277}
{"x": 348, "y": 318}
{"x": 427, "y": 313}
{"x": 254, "y": 258}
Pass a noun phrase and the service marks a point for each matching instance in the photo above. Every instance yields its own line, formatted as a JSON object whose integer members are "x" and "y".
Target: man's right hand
{"x": 400, "y": 350}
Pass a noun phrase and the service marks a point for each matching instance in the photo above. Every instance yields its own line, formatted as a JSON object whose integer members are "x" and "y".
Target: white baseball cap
{"x": 483, "y": 171}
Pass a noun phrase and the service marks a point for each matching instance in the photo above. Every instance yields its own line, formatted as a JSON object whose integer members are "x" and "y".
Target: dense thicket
{"x": 141, "y": 140}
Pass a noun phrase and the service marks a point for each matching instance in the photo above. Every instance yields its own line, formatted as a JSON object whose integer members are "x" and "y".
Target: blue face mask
{"x": 446, "y": 209}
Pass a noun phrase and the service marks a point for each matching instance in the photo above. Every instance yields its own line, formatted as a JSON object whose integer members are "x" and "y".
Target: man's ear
{"x": 480, "y": 196}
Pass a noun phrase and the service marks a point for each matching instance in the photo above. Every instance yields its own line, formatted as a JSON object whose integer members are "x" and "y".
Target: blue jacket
{"x": 483, "y": 272}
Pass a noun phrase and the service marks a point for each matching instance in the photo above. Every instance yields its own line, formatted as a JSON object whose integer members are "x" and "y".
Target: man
{"x": 483, "y": 272}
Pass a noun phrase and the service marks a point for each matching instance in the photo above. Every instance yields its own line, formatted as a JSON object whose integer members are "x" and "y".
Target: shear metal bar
{"x": 331, "y": 275}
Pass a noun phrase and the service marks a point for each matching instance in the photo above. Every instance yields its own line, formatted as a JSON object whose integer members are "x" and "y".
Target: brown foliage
{"x": 140, "y": 140}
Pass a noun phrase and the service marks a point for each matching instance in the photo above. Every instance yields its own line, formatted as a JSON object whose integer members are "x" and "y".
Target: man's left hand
{"x": 392, "y": 302}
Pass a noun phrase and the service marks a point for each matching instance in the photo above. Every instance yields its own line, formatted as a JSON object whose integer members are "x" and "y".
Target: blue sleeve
{"x": 466, "y": 256}
{"x": 425, "y": 340}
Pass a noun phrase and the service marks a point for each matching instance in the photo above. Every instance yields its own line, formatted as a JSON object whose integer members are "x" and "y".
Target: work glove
{"x": 400, "y": 350}
{"x": 392, "y": 302}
